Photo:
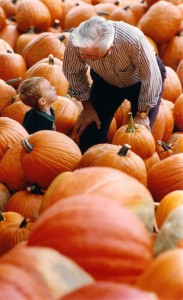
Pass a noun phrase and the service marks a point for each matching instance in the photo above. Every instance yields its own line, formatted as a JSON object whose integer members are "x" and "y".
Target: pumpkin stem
{"x": 117, "y": 2}
{"x": 11, "y": 81}
{"x": 51, "y": 59}
{"x": 126, "y": 7}
{"x": 27, "y": 146}
{"x": 35, "y": 189}
{"x": 131, "y": 125}
{"x": 24, "y": 223}
{"x": 165, "y": 146}
{"x": 124, "y": 150}
{"x": 1, "y": 217}
{"x": 102, "y": 13}
{"x": 56, "y": 23}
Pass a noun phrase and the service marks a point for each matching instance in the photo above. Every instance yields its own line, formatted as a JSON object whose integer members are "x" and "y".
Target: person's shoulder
{"x": 128, "y": 29}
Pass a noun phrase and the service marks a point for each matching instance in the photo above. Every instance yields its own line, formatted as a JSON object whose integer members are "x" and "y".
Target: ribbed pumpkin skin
{"x": 53, "y": 153}
{"x": 10, "y": 132}
{"x": 160, "y": 277}
{"x": 178, "y": 112}
{"x": 108, "y": 155}
{"x": 108, "y": 291}
{"x": 104, "y": 238}
{"x": 60, "y": 274}
{"x": 16, "y": 283}
{"x": 11, "y": 173}
{"x": 166, "y": 176}
{"x": 108, "y": 182}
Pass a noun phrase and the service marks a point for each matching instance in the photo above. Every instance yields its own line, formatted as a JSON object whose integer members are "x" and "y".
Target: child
{"x": 38, "y": 93}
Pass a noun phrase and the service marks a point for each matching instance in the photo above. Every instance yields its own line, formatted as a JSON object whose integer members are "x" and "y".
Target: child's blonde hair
{"x": 29, "y": 91}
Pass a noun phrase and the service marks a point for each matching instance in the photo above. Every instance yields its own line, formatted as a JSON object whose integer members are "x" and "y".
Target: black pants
{"x": 106, "y": 99}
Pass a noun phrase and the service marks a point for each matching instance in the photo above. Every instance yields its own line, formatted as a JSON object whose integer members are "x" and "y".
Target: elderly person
{"x": 123, "y": 65}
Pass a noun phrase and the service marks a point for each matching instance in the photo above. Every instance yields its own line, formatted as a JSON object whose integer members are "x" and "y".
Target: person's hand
{"x": 145, "y": 122}
{"x": 86, "y": 117}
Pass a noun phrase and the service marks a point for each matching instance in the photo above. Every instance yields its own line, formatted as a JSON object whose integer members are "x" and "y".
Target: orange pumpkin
{"x": 167, "y": 204}
{"x": 160, "y": 278}
{"x": 45, "y": 154}
{"x": 172, "y": 87}
{"x": 4, "y": 196}
{"x": 9, "y": 7}
{"x": 10, "y": 34}
{"x": 40, "y": 263}
{"x": 15, "y": 111}
{"x": 166, "y": 176}
{"x": 7, "y": 94}
{"x": 32, "y": 13}
{"x": 48, "y": 42}
{"x": 109, "y": 290}
{"x": 118, "y": 157}
{"x": 179, "y": 71}
{"x": 10, "y": 218}
{"x": 105, "y": 181}
{"x": 111, "y": 244}
{"x": 178, "y": 112}
{"x": 137, "y": 136}
{"x": 24, "y": 38}
{"x": 162, "y": 15}
{"x": 10, "y": 132}
{"x": 26, "y": 202}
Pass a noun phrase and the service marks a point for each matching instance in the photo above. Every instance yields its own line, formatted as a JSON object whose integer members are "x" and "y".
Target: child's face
{"x": 48, "y": 92}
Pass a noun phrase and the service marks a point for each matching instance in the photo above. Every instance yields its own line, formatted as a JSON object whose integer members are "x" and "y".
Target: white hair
{"x": 93, "y": 33}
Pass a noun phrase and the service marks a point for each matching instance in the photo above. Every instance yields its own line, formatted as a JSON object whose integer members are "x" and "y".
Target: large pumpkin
{"x": 166, "y": 176}
{"x": 45, "y": 154}
{"x": 164, "y": 275}
{"x": 108, "y": 182}
{"x": 103, "y": 237}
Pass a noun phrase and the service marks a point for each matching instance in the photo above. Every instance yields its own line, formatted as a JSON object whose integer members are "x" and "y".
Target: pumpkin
{"x": 78, "y": 14}
{"x": 166, "y": 176}
{"x": 173, "y": 53}
{"x": 66, "y": 114}
{"x": 32, "y": 13}
{"x": 124, "y": 14}
{"x": 45, "y": 154}
{"x": 16, "y": 111}
{"x": 110, "y": 244}
{"x": 170, "y": 232}
{"x": 119, "y": 157}
{"x": 7, "y": 94}
{"x": 109, "y": 290}
{"x": 164, "y": 123}
{"x": 105, "y": 181}
{"x": 105, "y": 9}
{"x": 10, "y": 34}
{"x": 9, "y": 7}
{"x": 179, "y": 71}
{"x": 52, "y": 72}
{"x": 26, "y": 202}
{"x": 17, "y": 63}
{"x": 14, "y": 234}
{"x": 167, "y": 204}
{"x": 4, "y": 46}
{"x": 10, "y": 218}
{"x": 24, "y": 38}
{"x": 48, "y": 42}
{"x": 172, "y": 86}
{"x": 178, "y": 112}
{"x": 160, "y": 276}
{"x": 162, "y": 15}
{"x": 60, "y": 274}
{"x": 10, "y": 132}
{"x": 152, "y": 160}
{"x": 4, "y": 196}
{"x": 2, "y": 18}
{"x": 137, "y": 136}
{"x": 121, "y": 115}
{"x": 11, "y": 173}
{"x": 55, "y": 8}
{"x": 16, "y": 283}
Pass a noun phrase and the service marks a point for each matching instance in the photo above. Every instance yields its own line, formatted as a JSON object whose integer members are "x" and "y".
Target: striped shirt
{"x": 132, "y": 59}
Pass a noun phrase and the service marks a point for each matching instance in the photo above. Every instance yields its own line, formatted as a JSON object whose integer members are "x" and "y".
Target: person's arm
{"x": 75, "y": 71}
{"x": 87, "y": 116}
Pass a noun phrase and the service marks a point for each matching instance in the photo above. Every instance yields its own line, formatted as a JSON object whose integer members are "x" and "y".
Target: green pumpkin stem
{"x": 165, "y": 146}
{"x": 131, "y": 125}
{"x": 23, "y": 224}
{"x": 124, "y": 150}
{"x": 27, "y": 146}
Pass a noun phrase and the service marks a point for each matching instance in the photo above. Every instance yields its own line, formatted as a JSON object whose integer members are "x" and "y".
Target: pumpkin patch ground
{"x": 106, "y": 224}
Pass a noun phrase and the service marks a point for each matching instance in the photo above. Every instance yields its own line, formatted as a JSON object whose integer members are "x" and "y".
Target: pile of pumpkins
{"x": 107, "y": 224}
